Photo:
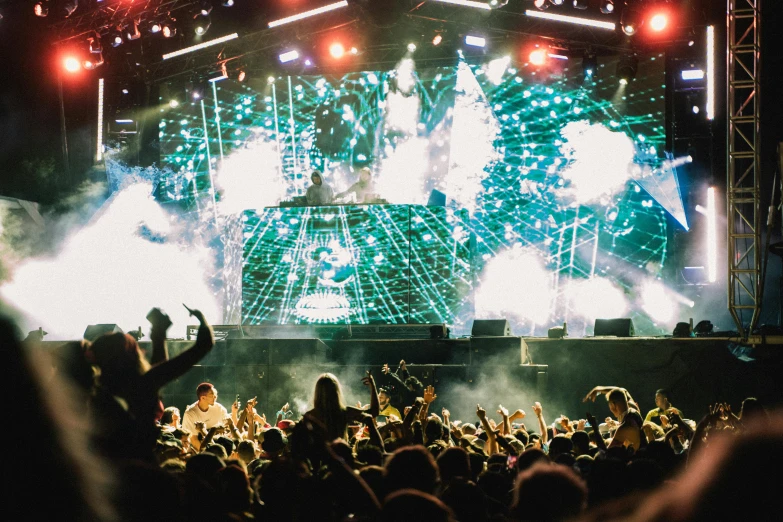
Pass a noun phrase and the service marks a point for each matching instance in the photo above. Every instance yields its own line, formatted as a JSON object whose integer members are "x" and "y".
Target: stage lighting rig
{"x": 205, "y": 8}
{"x": 607, "y": 6}
{"x": 228, "y": 3}
{"x": 132, "y": 31}
{"x": 95, "y": 44}
{"x": 541, "y": 5}
{"x": 41, "y": 9}
{"x": 631, "y": 19}
{"x": 115, "y": 37}
{"x": 581, "y": 4}
{"x": 589, "y": 65}
{"x": 557, "y": 2}
{"x": 93, "y": 63}
{"x": 168, "y": 29}
{"x": 155, "y": 28}
{"x": 72, "y": 64}
{"x": 497, "y": 4}
{"x": 202, "y": 25}
{"x": 626, "y": 68}
{"x": 69, "y": 7}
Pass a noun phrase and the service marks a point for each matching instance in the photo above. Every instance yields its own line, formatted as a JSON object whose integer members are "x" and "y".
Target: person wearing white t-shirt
{"x": 206, "y": 410}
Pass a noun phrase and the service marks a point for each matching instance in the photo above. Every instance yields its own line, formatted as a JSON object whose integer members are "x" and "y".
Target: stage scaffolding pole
{"x": 743, "y": 162}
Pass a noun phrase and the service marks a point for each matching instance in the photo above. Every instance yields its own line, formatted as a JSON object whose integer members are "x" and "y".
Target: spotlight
{"x": 581, "y": 4}
{"x": 411, "y": 47}
{"x": 289, "y": 56}
{"x": 71, "y": 64}
{"x": 115, "y": 38}
{"x": 168, "y": 30}
{"x": 630, "y": 21}
{"x": 173, "y": 104}
{"x": 626, "y": 69}
{"x": 607, "y": 7}
{"x": 228, "y": 3}
{"x": 537, "y": 57}
{"x": 589, "y": 65}
{"x": 437, "y": 40}
{"x": 91, "y": 63}
{"x": 659, "y": 22}
{"x": 308, "y": 62}
{"x": 202, "y": 25}
{"x": 354, "y": 50}
{"x": 241, "y": 76}
{"x": 270, "y": 80}
{"x": 557, "y": 2}
{"x": 196, "y": 95}
{"x": 132, "y": 32}
{"x": 541, "y": 5}
{"x": 41, "y": 9}
{"x": 497, "y": 4}
{"x": 155, "y": 28}
{"x": 205, "y": 8}
{"x": 337, "y": 50}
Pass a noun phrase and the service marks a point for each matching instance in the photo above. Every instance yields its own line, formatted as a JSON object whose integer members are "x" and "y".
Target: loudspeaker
{"x": 615, "y": 327}
{"x": 490, "y": 328}
{"x": 96, "y": 330}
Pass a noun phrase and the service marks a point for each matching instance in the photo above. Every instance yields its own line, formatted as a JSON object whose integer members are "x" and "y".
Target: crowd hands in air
{"x": 126, "y": 457}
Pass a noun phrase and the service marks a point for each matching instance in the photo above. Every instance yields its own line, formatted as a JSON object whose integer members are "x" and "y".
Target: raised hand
{"x": 580, "y": 425}
{"x": 481, "y": 413}
{"x": 285, "y": 407}
{"x": 593, "y": 394}
{"x": 402, "y": 365}
{"x": 368, "y": 380}
{"x": 249, "y": 405}
{"x": 446, "y": 414}
{"x": 502, "y": 411}
{"x": 564, "y": 421}
{"x": 197, "y": 314}
{"x": 429, "y": 394}
{"x": 537, "y": 409}
{"x": 519, "y": 414}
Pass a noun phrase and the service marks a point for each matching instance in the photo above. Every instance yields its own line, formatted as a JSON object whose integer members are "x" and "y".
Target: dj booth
{"x": 357, "y": 264}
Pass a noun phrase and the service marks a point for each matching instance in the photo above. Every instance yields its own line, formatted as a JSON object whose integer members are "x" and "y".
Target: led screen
{"x": 558, "y": 178}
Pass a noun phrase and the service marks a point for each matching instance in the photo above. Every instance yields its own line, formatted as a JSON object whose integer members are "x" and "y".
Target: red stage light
{"x": 538, "y": 57}
{"x": 337, "y": 50}
{"x": 72, "y": 64}
{"x": 659, "y": 22}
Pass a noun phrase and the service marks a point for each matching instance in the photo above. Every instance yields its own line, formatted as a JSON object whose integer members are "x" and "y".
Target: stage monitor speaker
{"x": 96, "y": 330}
{"x": 615, "y": 327}
{"x": 490, "y": 328}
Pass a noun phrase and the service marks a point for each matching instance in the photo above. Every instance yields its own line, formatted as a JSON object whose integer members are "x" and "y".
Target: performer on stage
{"x": 319, "y": 193}
{"x": 364, "y": 188}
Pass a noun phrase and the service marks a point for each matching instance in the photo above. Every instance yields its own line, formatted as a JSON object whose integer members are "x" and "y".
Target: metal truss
{"x": 113, "y": 13}
{"x": 743, "y": 163}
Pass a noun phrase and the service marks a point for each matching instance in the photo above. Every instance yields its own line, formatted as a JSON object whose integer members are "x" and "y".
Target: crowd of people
{"x": 100, "y": 444}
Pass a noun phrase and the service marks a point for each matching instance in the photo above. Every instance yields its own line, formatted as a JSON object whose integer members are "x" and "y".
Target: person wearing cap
{"x": 319, "y": 193}
{"x": 385, "y": 403}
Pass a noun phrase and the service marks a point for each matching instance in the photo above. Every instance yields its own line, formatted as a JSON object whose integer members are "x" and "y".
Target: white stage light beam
{"x": 202, "y": 45}
{"x": 308, "y": 14}
{"x": 467, "y": 3}
{"x": 99, "y": 152}
{"x": 712, "y": 237}
{"x": 576, "y": 20}
{"x": 711, "y": 72}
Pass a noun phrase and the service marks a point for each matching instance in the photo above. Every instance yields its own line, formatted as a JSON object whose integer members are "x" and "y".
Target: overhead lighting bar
{"x": 202, "y": 45}
{"x": 467, "y": 3}
{"x": 99, "y": 152}
{"x": 576, "y": 20}
{"x": 711, "y": 72}
{"x": 475, "y": 41}
{"x": 289, "y": 56}
{"x": 308, "y": 14}
{"x": 692, "y": 74}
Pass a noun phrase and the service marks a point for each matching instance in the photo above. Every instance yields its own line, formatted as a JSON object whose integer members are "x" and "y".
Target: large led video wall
{"x": 565, "y": 196}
